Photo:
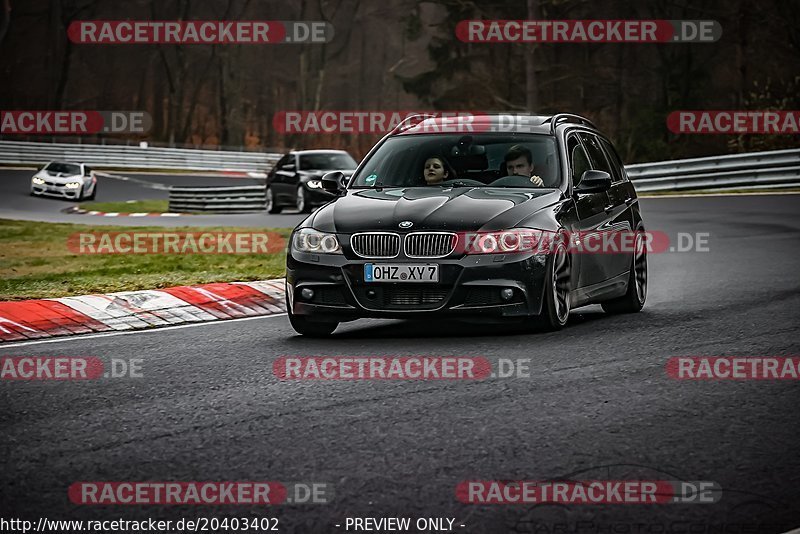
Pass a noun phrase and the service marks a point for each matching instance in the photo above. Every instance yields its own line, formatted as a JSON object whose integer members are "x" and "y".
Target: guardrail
{"x": 134, "y": 157}
{"x": 229, "y": 199}
{"x": 772, "y": 169}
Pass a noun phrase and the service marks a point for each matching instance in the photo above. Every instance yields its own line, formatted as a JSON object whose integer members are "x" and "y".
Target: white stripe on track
{"x": 128, "y": 332}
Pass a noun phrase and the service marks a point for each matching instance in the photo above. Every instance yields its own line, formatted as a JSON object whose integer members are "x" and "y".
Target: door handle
{"x": 609, "y": 208}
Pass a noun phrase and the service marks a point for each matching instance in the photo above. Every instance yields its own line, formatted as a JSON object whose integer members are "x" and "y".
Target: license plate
{"x": 387, "y": 272}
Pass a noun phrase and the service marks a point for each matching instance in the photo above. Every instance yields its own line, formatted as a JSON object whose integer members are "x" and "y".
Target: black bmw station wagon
{"x": 448, "y": 218}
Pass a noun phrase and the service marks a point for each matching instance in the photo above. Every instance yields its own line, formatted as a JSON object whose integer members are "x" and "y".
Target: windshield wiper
{"x": 457, "y": 183}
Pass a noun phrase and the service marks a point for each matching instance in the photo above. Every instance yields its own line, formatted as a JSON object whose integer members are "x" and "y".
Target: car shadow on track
{"x": 404, "y": 330}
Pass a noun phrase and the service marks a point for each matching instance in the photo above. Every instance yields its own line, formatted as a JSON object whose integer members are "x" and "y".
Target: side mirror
{"x": 333, "y": 182}
{"x": 594, "y": 182}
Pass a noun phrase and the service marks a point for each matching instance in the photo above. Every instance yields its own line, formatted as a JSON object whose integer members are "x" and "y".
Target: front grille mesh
{"x": 331, "y": 296}
{"x": 412, "y": 296}
{"x": 376, "y": 245}
{"x": 483, "y": 296}
{"x": 430, "y": 244}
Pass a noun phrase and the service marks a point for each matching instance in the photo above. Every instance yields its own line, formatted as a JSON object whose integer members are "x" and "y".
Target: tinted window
{"x": 578, "y": 160}
{"x": 616, "y": 163}
{"x": 596, "y": 154}
{"x": 477, "y": 158}
{"x": 281, "y": 162}
{"x": 330, "y": 161}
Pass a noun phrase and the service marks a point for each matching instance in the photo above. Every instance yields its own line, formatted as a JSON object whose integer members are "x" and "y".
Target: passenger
{"x": 437, "y": 170}
{"x": 518, "y": 161}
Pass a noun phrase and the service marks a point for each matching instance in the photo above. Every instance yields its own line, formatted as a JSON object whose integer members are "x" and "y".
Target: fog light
{"x": 506, "y": 294}
{"x": 307, "y": 293}
{"x": 371, "y": 293}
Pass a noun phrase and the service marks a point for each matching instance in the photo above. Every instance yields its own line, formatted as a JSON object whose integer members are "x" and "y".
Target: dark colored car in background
{"x": 392, "y": 246}
{"x": 296, "y": 180}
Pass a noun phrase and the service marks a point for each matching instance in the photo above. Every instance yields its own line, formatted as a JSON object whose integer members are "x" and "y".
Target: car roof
{"x": 319, "y": 151}
{"x": 464, "y": 122}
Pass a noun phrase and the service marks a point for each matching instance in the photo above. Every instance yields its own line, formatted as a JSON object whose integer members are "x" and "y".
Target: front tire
{"x": 556, "y": 305}
{"x": 300, "y": 200}
{"x": 633, "y": 299}
{"x": 308, "y": 328}
{"x": 271, "y": 206}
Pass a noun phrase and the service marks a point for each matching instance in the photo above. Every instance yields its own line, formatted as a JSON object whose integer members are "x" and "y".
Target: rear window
{"x": 475, "y": 159}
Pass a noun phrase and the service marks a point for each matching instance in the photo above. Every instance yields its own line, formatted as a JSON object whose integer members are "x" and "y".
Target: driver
{"x": 518, "y": 161}
{"x": 437, "y": 170}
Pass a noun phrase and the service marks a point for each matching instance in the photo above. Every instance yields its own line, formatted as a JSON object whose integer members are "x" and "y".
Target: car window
{"x": 281, "y": 162}
{"x": 327, "y": 161}
{"x": 616, "y": 163}
{"x": 596, "y": 154}
{"x": 578, "y": 160}
{"x": 63, "y": 168}
{"x": 290, "y": 160}
{"x": 475, "y": 160}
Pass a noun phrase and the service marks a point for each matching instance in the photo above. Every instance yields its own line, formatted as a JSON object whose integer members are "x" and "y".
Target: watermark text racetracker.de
{"x": 588, "y": 492}
{"x": 137, "y": 242}
{"x": 68, "y": 368}
{"x": 398, "y": 368}
{"x": 734, "y": 122}
{"x": 55, "y": 122}
{"x": 196, "y": 493}
{"x": 588, "y": 31}
{"x": 198, "y": 32}
{"x": 734, "y": 368}
{"x": 535, "y": 241}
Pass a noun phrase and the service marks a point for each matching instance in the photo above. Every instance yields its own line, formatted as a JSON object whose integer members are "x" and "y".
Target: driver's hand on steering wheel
{"x": 538, "y": 182}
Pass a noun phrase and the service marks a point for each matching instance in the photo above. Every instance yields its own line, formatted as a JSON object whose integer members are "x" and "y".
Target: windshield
{"x": 63, "y": 168}
{"x": 512, "y": 160}
{"x": 327, "y": 161}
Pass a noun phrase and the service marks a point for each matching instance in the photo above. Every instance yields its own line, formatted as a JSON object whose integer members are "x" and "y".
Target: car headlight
{"x": 37, "y": 180}
{"x": 73, "y": 185}
{"x": 506, "y": 241}
{"x": 310, "y": 240}
{"x": 314, "y": 184}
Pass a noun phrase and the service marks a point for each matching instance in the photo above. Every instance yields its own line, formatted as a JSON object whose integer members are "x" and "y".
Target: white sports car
{"x": 65, "y": 180}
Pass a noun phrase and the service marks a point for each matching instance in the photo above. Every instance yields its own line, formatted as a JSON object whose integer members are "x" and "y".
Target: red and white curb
{"x": 133, "y": 310}
{"x": 80, "y": 211}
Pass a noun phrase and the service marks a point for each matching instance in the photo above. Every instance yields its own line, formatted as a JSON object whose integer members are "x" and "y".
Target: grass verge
{"x": 35, "y": 262}
{"x": 130, "y": 206}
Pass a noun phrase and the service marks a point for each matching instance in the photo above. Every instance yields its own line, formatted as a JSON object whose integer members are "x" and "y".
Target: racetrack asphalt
{"x": 598, "y": 404}
{"x": 16, "y": 202}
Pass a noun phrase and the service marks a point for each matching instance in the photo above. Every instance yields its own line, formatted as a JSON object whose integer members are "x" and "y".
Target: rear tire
{"x": 308, "y": 328}
{"x": 271, "y": 206}
{"x": 633, "y": 299}
{"x": 556, "y": 305}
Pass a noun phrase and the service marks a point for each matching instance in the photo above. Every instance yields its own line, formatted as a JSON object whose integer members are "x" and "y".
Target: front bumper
{"x": 469, "y": 286}
{"x": 55, "y": 191}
